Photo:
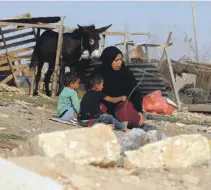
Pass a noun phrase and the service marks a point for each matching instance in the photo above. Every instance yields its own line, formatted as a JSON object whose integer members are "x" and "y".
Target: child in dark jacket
{"x": 91, "y": 101}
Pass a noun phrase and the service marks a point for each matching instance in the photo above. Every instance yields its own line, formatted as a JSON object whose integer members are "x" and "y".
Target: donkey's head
{"x": 91, "y": 39}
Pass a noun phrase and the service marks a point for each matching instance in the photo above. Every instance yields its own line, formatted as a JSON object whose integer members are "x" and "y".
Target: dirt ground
{"x": 22, "y": 117}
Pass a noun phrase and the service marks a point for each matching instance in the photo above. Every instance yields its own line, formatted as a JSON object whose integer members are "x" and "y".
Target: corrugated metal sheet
{"x": 147, "y": 73}
{"x": 149, "y": 78}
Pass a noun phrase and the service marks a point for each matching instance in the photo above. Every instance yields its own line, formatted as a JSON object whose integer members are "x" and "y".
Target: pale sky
{"x": 158, "y": 18}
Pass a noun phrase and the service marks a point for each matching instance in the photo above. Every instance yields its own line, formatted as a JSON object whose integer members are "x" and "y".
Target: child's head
{"x": 71, "y": 80}
{"x": 96, "y": 83}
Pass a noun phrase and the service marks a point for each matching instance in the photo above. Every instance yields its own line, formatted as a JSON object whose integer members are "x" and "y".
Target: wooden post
{"x": 162, "y": 57}
{"x": 125, "y": 53}
{"x": 147, "y": 53}
{"x": 195, "y": 35}
{"x": 34, "y": 70}
{"x": 172, "y": 78}
{"x": 58, "y": 53}
{"x": 102, "y": 44}
{"x": 8, "y": 59}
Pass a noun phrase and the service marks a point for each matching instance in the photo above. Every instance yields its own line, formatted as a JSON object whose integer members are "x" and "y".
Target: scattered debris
{"x": 6, "y": 88}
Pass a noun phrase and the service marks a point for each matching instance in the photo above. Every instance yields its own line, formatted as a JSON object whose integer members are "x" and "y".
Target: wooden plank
{"x": 125, "y": 47}
{"x": 199, "y": 108}
{"x": 13, "y": 59}
{"x": 19, "y": 43}
{"x": 8, "y": 59}
{"x": 16, "y": 52}
{"x": 28, "y": 56}
{"x": 46, "y": 26}
{"x": 139, "y": 33}
{"x": 26, "y": 15}
{"x": 156, "y": 45}
{"x": 162, "y": 57}
{"x": 37, "y": 35}
{"x": 64, "y": 122}
{"x": 58, "y": 54}
{"x": 6, "y": 68}
{"x": 130, "y": 42}
{"x": 2, "y": 62}
{"x": 17, "y": 36}
{"x": 30, "y": 48}
{"x": 67, "y": 28}
{"x": 7, "y": 31}
{"x": 10, "y": 77}
{"x": 173, "y": 78}
{"x": 113, "y": 33}
{"x": 195, "y": 33}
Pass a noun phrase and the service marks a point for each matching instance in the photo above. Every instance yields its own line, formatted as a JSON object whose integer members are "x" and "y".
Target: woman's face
{"x": 117, "y": 63}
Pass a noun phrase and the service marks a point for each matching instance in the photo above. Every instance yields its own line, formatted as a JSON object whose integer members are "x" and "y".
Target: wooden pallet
{"x": 16, "y": 46}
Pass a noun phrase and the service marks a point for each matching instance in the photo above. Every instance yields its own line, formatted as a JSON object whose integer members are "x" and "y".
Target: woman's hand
{"x": 124, "y": 98}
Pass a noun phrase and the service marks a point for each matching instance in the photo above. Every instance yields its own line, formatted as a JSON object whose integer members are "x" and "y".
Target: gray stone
{"x": 136, "y": 138}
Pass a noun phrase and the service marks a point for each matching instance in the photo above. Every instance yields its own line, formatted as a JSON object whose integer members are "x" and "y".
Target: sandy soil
{"x": 22, "y": 117}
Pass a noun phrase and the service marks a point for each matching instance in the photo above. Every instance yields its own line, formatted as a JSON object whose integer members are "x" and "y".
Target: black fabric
{"x": 117, "y": 83}
{"x": 90, "y": 105}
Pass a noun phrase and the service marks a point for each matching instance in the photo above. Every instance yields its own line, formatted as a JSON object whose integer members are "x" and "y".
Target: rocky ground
{"x": 22, "y": 118}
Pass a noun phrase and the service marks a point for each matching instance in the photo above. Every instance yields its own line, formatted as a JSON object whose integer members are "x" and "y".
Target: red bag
{"x": 156, "y": 103}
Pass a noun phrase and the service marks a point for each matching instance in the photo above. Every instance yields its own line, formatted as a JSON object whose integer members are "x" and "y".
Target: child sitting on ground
{"x": 68, "y": 103}
{"x": 91, "y": 101}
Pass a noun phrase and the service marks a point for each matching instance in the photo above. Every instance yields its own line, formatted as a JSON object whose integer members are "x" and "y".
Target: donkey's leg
{"x": 37, "y": 79}
{"x": 61, "y": 77}
{"x": 47, "y": 80}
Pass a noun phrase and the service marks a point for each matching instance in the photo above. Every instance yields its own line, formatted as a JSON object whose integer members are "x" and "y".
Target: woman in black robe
{"x": 119, "y": 81}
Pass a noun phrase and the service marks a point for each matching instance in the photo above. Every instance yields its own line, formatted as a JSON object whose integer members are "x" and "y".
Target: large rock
{"x": 13, "y": 177}
{"x": 96, "y": 146}
{"x": 176, "y": 152}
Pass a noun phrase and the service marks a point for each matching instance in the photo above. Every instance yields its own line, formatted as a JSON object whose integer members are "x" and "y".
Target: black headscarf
{"x": 108, "y": 56}
{"x": 116, "y": 83}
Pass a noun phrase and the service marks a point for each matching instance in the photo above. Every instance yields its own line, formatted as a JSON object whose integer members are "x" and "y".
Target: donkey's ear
{"x": 103, "y": 29}
{"x": 80, "y": 27}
